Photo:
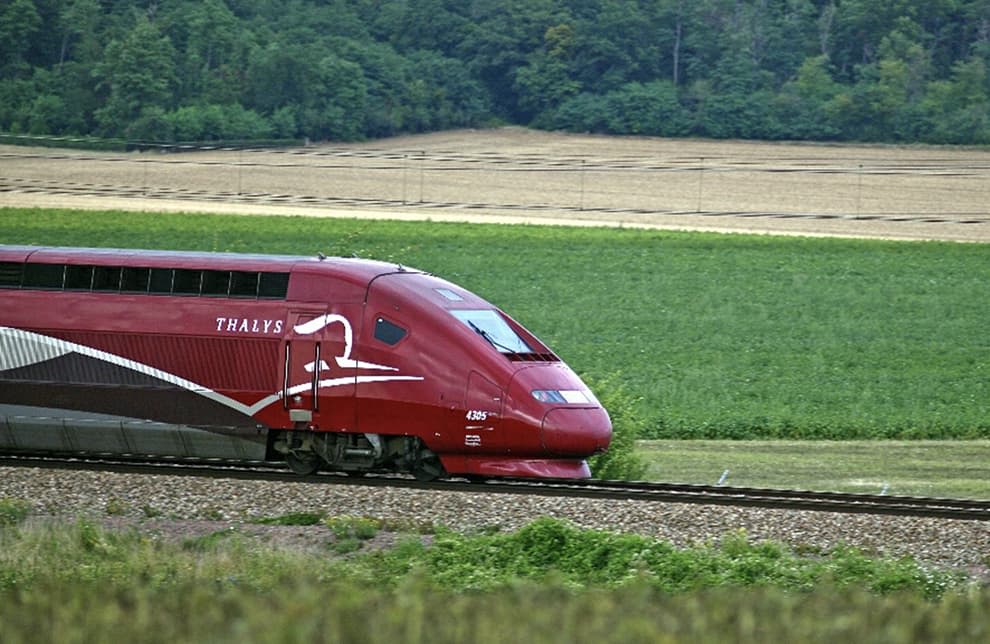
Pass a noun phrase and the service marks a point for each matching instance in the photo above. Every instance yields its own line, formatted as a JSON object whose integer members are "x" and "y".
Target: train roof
{"x": 352, "y": 267}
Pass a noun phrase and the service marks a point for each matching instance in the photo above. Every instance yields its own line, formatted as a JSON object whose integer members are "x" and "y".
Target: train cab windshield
{"x": 491, "y": 326}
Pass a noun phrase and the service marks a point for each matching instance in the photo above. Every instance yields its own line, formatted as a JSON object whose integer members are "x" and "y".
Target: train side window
{"x": 243, "y": 284}
{"x": 273, "y": 285}
{"x": 216, "y": 283}
{"x": 161, "y": 281}
{"x": 78, "y": 278}
{"x": 106, "y": 278}
{"x": 47, "y": 276}
{"x": 186, "y": 281}
{"x": 10, "y": 274}
{"x": 388, "y": 332}
{"x": 134, "y": 280}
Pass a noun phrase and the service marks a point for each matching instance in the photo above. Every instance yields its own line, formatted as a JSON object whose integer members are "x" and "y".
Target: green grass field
{"x": 718, "y": 336}
{"x": 958, "y": 469}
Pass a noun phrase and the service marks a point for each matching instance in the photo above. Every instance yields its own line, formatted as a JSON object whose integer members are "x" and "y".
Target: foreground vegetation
{"x": 725, "y": 337}
{"x": 169, "y": 70}
{"x": 545, "y": 582}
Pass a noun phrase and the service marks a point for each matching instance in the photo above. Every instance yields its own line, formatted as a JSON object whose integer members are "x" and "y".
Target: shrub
{"x": 350, "y": 532}
{"x": 13, "y": 511}
{"x": 621, "y": 460}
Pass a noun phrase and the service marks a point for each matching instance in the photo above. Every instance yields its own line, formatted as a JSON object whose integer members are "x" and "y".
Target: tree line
{"x": 201, "y": 70}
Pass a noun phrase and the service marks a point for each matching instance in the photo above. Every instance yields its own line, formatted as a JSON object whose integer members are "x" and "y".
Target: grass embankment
{"x": 721, "y": 336}
{"x": 914, "y": 468}
{"x": 545, "y": 582}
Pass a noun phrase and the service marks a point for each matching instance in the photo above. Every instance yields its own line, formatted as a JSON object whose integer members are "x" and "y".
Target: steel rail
{"x": 767, "y": 498}
{"x": 968, "y": 509}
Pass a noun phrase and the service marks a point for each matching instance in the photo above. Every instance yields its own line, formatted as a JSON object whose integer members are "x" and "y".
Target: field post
{"x": 405, "y": 167}
{"x": 422, "y": 162}
{"x": 701, "y": 181}
{"x": 581, "y": 202}
{"x": 859, "y": 189}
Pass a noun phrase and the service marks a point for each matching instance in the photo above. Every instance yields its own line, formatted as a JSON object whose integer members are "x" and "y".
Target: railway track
{"x": 941, "y": 508}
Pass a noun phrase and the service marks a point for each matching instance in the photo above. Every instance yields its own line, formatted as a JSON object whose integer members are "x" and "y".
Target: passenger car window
{"x": 186, "y": 281}
{"x": 106, "y": 278}
{"x": 243, "y": 284}
{"x": 10, "y": 274}
{"x": 78, "y": 278}
{"x": 216, "y": 283}
{"x": 134, "y": 280}
{"x": 161, "y": 281}
{"x": 273, "y": 285}
{"x": 43, "y": 275}
{"x": 388, "y": 332}
{"x": 140, "y": 279}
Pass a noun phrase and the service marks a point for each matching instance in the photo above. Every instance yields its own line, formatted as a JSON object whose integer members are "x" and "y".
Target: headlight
{"x": 564, "y": 396}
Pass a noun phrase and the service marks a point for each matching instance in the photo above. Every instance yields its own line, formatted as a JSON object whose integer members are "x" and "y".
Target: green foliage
{"x": 716, "y": 336}
{"x": 117, "y": 507}
{"x": 139, "y": 74}
{"x": 958, "y": 109}
{"x": 209, "y": 542}
{"x": 343, "y": 612}
{"x": 896, "y": 71}
{"x": 411, "y": 526}
{"x": 19, "y": 22}
{"x": 362, "y": 528}
{"x": 217, "y": 123}
{"x": 545, "y": 551}
{"x": 635, "y": 108}
{"x": 548, "y": 581}
{"x": 13, "y": 511}
{"x": 621, "y": 461}
{"x": 552, "y": 551}
{"x": 350, "y": 532}
{"x": 293, "y": 518}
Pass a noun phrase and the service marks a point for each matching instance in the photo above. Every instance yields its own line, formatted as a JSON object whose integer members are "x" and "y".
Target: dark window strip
{"x": 156, "y": 281}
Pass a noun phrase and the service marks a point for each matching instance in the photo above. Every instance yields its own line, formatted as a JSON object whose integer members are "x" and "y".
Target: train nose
{"x": 576, "y": 432}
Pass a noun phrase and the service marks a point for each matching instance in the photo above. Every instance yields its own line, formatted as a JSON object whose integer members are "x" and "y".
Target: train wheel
{"x": 428, "y": 468}
{"x": 303, "y": 464}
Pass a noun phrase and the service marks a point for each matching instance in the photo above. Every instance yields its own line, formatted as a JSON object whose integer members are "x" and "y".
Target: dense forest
{"x": 200, "y": 70}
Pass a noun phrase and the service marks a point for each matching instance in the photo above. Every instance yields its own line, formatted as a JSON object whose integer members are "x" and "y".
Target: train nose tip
{"x": 576, "y": 432}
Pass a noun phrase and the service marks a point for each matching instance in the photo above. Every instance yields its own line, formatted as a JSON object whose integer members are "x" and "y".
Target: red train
{"x": 342, "y": 364}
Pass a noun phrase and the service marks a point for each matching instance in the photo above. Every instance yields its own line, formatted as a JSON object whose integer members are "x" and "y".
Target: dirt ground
{"x": 513, "y": 175}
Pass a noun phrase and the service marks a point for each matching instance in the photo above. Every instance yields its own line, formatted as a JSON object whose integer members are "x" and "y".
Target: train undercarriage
{"x": 355, "y": 454}
{"x": 28, "y": 429}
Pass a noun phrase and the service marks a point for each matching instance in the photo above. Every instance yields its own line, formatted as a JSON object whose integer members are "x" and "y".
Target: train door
{"x": 318, "y": 380}
{"x": 483, "y": 413}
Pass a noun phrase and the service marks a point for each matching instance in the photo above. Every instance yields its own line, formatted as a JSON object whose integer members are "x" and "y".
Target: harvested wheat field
{"x": 515, "y": 175}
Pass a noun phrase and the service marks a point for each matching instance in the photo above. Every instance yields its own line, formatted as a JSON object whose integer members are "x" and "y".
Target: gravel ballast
{"x": 178, "y": 506}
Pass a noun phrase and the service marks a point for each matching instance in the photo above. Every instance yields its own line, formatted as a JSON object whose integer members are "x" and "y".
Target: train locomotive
{"x": 326, "y": 363}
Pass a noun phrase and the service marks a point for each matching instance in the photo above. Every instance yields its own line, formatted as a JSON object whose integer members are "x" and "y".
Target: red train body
{"x": 343, "y": 364}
